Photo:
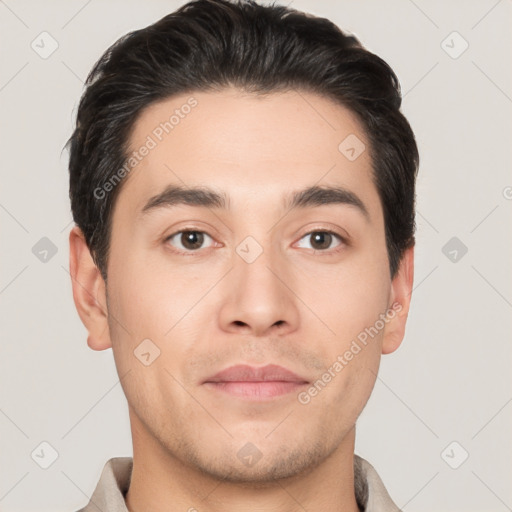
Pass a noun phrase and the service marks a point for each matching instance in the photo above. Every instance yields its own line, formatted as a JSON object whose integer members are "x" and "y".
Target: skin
{"x": 293, "y": 306}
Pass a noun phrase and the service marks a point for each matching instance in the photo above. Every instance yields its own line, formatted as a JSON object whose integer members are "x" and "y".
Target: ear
{"x": 89, "y": 291}
{"x": 400, "y": 299}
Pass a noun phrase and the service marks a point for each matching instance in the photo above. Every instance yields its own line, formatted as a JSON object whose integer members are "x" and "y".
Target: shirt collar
{"x": 109, "y": 495}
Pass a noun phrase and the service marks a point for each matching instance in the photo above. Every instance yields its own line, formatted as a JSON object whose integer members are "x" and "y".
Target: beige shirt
{"x": 371, "y": 495}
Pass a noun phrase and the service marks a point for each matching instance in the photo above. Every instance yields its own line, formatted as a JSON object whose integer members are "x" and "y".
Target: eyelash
{"x": 327, "y": 252}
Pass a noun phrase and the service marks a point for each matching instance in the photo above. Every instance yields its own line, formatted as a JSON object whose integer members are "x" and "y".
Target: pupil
{"x": 192, "y": 239}
{"x": 319, "y": 237}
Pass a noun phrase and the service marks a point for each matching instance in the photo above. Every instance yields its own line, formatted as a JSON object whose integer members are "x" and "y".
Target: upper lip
{"x": 246, "y": 373}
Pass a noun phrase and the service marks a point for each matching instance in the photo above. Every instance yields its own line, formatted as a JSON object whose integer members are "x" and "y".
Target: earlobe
{"x": 89, "y": 291}
{"x": 400, "y": 298}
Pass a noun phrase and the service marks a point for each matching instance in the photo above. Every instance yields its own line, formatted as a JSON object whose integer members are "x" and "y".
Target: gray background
{"x": 449, "y": 381}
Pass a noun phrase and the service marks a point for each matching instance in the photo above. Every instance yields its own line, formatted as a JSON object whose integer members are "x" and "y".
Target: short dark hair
{"x": 211, "y": 44}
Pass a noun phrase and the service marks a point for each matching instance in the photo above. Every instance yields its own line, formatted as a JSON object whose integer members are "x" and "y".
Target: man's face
{"x": 254, "y": 283}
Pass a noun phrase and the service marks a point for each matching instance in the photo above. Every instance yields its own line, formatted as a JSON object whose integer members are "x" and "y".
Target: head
{"x": 243, "y": 185}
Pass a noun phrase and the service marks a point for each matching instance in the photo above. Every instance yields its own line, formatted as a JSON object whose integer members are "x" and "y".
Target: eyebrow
{"x": 202, "y": 196}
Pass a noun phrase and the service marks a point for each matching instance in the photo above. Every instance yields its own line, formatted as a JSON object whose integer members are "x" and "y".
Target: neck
{"x": 161, "y": 482}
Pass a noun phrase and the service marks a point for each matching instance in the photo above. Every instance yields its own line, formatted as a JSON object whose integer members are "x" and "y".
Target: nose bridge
{"x": 257, "y": 295}
{"x": 255, "y": 267}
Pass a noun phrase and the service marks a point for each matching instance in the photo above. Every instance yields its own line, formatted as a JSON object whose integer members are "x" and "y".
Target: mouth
{"x": 253, "y": 383}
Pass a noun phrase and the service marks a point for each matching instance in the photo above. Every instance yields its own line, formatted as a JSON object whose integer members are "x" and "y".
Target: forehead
{"x": 253, "y": 147}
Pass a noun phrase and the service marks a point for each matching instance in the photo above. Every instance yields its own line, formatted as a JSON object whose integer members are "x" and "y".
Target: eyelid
{"x": 341, "y": 233}
{"x": 167, "y": 238}
{"x": 344, "y": 239}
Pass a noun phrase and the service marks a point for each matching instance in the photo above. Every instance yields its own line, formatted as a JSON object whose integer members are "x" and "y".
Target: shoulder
{"x": 370, "y": 489}
{"x": 112, "y": 486}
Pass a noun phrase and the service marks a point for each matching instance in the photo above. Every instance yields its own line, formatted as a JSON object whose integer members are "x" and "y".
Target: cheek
{"x": 347, "y": 298}
{"x": 350, "y": 299}
{"x": 171, "y": 308}
{"x": 150, "y": 300}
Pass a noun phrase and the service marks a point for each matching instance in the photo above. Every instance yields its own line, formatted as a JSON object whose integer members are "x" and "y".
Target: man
{"x": 242, "y": 183}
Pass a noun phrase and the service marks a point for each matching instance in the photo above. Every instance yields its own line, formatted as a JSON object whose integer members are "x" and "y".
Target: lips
{"x": 245, "y": 382}
{"x": 246, "y": 373}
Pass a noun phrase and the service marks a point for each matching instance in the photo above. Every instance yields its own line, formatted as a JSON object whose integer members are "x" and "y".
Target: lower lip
{"x": 256, "y": 390}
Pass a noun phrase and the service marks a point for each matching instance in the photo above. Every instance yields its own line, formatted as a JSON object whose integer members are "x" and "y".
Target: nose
{"x": 258, "y": 296}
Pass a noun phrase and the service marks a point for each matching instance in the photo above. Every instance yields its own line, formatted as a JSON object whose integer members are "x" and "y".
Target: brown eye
{"x": 322, "y": 240}
{"x": 187, "y": 241}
